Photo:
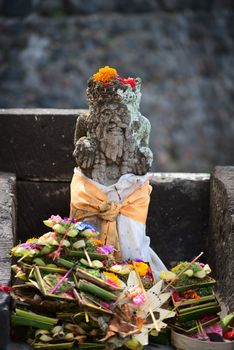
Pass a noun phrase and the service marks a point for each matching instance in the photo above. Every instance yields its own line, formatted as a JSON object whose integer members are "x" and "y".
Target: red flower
{"x": 129, "y": 81}
{"x": 5, "y": 289}
{"x": 229, "y": 335}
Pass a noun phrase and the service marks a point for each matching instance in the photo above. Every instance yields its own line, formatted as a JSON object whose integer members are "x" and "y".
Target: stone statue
{"x": 112, "y": 139}
{"x": 110, "y": 188}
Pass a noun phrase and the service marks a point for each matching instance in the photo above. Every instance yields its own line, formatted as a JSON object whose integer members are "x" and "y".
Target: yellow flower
{"x": 105, "y": 74}
{"x": 177, "y": 267}
{"x": 31, "y": 240}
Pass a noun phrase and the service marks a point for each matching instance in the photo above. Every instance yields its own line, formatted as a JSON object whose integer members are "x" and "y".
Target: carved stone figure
{"x": 112, "y": 139}
{"x": 110, "y": 187}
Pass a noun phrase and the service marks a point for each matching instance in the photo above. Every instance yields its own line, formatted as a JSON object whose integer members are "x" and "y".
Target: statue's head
{"x": 106, "y": 88}
{"x": 107, "y": 85}
{"x": 112, "y": 102}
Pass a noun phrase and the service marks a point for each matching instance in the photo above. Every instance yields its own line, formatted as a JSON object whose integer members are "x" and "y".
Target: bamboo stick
{"x": 88, "y": 257}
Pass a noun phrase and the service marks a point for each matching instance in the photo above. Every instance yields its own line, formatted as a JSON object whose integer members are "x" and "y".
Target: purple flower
{"x": 72, "y": 220}
{"x": 26, "y": 245}
{"x": 138, "y": 260}
{"x": 106, "y": 249}
{"x": 30, "y": 246}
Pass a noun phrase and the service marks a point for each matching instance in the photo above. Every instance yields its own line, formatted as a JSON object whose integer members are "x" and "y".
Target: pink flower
{"x": 55, "y": 218}
{"x": 112, "y": 283}
{"x": 106, "y": 249}
{"x": 49, "y": 235}
{"x": 138, "y": 299}
{"x": 105, "y": 305}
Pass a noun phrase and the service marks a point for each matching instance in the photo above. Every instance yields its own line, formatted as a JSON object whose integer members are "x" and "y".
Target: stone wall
{"x": 7, "y": 240}
{"x": 221, "y": 237}
{"x": 183, "y": 50}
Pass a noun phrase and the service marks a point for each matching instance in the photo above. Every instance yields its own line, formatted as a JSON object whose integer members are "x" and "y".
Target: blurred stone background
{"x": 182, "y": 49}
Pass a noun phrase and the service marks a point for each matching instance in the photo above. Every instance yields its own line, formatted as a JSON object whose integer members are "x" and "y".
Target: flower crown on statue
{"x": 107, "y": 85}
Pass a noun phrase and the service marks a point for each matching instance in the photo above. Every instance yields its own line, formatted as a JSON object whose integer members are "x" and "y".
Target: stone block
{"x": 178, "y": 215}
{"x": 37, "y": 143}
{"x": 7, "y": 234}
{"x": 36, "y": 202}
{"x": 221, "y": 235}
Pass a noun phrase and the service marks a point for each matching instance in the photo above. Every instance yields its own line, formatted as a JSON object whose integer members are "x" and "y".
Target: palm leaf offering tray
{"x": 186, "y": 283}
{"x": 193, "y": 296}
{"x": 70, "y": 291}
{"x": 190, "y": 327}
{"x": 195, "y": 303}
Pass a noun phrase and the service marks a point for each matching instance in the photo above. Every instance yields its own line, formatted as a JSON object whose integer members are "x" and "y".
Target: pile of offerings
{"x": 70, "y": 291}
{"x": 195, "y": 303}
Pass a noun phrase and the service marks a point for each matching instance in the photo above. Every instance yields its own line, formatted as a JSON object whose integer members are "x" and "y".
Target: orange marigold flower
{"x": 142, "y": 268}
{"x": 96, "y": 241}
{"x": 139, "y": 322}
{"x": 105, "y": 74}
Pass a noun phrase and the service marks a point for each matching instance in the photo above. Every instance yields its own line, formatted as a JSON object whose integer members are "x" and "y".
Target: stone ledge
{"x": 170, "y": 177}
{"x": 178, "y": 217}
{"x": 39, "y": 111}
{"x": 221, "y": 236}
{"x": 7, "y": 237}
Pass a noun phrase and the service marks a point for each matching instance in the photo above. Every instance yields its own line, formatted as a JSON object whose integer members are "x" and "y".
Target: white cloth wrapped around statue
{"x": 120, "y": 211}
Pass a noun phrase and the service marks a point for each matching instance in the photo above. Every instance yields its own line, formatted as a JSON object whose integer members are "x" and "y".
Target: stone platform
{"x": 20, "y": 346}
{"x": 188, "y": 213}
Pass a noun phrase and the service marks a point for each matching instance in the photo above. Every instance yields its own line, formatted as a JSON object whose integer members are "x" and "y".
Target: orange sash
{"x": 87, "y": 200}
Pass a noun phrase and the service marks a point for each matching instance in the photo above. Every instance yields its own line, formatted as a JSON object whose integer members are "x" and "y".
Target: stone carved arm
{"x": 85, "y": 147}
{"x": 143, "y": 155}
{"x": 143, "y": 161}
{"x": 84, "y": 152}
{"x": 81, "y": 127}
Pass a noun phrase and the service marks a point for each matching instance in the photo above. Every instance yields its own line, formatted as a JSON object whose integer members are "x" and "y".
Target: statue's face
{"x": 115, "y": 117}
{"x": 114, "y": 126}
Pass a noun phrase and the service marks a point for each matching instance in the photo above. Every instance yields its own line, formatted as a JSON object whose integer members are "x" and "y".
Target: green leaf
{"x": 79, "y": 244}
{"x": 93, "y": 289}
{"x": 91, "y": 346}
{"x": 34, "y": 316}
{"x": 24, "y": 321}
{"x": 72, "y": 232}
{"x": 65, "y": 263}
{"x": 59, "y": 228}
{"x": 81, "y": 254}
{"x": 53, "y": 346}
